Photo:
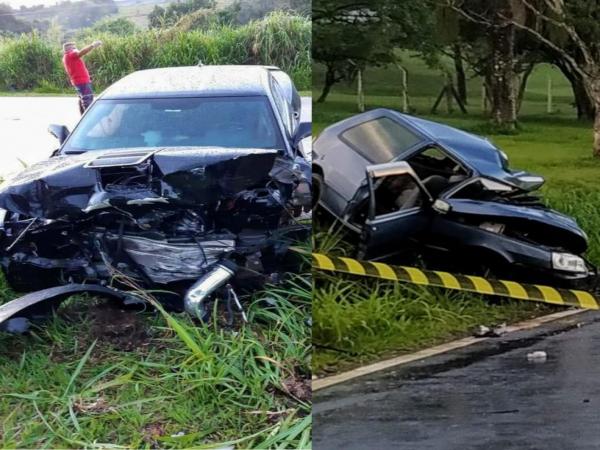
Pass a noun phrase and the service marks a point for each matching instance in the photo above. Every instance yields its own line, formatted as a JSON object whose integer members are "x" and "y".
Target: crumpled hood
{"x": 543, "y": 216}
{"x": 73, "y": 185}
{"x": 476, "y": 151}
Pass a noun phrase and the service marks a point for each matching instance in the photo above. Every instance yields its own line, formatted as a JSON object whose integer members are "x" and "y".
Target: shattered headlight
{"x": 568, "y": 262}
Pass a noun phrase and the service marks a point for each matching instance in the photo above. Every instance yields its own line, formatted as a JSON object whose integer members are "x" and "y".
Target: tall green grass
{"x": 27, "y": 62}
{"x": 280, "y": 39}
{"x": 66, "y": 385}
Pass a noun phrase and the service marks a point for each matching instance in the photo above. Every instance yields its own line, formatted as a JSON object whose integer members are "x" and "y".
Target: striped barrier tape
{"x": 469, "y": 283}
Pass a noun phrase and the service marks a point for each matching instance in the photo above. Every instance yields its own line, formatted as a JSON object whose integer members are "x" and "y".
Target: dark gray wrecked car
{"x": 413, "y": 190}
{"x": 187, "y": 181}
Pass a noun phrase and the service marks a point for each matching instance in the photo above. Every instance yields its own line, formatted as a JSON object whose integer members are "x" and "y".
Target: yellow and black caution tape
{"x": 469, "y": 283}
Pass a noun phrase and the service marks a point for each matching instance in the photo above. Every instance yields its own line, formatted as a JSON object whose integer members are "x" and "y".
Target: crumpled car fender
{"x": 508, "y": 249}
{"x": 504, "y": 211}
{"x": 39, "y": 304}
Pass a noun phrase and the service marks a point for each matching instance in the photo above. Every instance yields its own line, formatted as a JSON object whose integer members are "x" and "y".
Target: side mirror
{"x": 60, "y": 132}
{"x": 303, "y": 131}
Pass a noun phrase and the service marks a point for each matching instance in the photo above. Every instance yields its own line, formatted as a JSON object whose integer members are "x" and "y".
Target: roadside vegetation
{"x": 32, "y": 63}
{"x": 362, "y": 320}
{"x": 97, "y": 376}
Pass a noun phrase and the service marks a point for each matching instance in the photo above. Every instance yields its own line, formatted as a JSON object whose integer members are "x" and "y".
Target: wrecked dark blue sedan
{"x": 188, "y": 181}
{"x": 415, "y": 190}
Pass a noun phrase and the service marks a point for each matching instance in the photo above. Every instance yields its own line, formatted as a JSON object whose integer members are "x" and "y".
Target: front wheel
{"x": 317, "y": 187}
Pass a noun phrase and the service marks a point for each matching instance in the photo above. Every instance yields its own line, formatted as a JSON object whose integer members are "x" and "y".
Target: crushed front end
{"x": 184, "y": 222}
{"x": 516, "y": 235}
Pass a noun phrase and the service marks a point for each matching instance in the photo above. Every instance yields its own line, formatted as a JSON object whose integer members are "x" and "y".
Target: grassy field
{"x": 356, "y": 321}
{"x": 138, "y": 14}
{"x": 97, "y": 376}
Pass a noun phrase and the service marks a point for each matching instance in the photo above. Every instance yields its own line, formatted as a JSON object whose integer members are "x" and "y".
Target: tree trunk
{"x": 461, "y": 78}
{"x": 586, "y": 110}
{"x": 596, "y": 147}
{"x": 592, "y": 86}
{"x": 330, "y": 80}
{"x": 503, "y": 93}
{"x": 583, "y": 100}
{"x": 448, "y": 91}
{"x": 523, "y": 86}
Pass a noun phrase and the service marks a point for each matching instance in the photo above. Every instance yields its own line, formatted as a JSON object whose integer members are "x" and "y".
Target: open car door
{"x": 398, "y": 210}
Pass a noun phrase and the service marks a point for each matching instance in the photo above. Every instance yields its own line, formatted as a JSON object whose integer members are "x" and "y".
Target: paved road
{"x": 24, "y": 123}
{"x": 24, "y": 128}
{"x": 492, "y": 399}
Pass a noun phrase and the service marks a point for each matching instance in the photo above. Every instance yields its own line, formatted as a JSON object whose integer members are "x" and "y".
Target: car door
{"x": 398, "y": 212}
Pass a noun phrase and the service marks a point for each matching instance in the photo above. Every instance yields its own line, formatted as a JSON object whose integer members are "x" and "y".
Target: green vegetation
{"x": 29, "y": 62}
{"x": 169, "y": 15}
{"x": 119, "y": 26}
{"x": 97, "y": 377}
{"x": 365, "y": 320}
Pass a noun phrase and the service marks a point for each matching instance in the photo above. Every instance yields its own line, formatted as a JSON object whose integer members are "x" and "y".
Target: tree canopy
{"x": 348, "y": 35}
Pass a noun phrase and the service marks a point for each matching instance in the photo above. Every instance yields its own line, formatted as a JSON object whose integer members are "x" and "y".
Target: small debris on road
{"x": 482, "y": 331}
{"x": 496, "y": 331}
{"x": 501, "y": 329}
{"x": 538, "y": 356}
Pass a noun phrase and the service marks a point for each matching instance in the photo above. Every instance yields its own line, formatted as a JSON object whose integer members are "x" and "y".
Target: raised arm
{"x": 85, "y": 50}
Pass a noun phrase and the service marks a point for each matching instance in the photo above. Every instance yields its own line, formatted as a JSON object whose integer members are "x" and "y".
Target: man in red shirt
{"x": 78, "y": 73}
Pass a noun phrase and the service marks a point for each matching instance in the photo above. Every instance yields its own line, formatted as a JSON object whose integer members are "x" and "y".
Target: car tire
{"x": 317, "y": 186}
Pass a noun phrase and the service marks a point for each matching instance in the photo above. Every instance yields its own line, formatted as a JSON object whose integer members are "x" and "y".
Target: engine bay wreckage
{"x": 413, "y": 191}
{"x": 187, "y": 223}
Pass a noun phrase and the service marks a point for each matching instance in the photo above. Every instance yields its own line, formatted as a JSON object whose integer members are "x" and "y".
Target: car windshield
{"x": 240, "y": 122}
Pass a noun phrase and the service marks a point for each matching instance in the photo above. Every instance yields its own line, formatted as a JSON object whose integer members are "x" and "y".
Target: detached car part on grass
{"x": 154, "y": 200}
{"x": 413, "y": 189}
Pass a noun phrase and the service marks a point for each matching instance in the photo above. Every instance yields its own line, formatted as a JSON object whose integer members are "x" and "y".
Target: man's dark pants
{"x": 86, "y": 95}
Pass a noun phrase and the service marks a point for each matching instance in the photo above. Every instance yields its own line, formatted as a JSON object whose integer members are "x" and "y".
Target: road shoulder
{"x": 461, "y": 351}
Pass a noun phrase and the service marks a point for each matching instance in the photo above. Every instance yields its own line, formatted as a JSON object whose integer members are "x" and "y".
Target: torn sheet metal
{"x": 16, "y": 314}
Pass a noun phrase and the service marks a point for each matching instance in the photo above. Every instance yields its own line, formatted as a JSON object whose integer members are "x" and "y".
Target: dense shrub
{"x": 279, "y": 39}
{"x": 28, "y": 61}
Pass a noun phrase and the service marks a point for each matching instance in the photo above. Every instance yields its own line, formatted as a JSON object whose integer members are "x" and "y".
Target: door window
{"x": 396, "y": 193}
{"x": 437, "y": 169}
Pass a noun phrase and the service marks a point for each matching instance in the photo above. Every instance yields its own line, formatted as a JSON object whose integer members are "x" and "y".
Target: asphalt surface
{"x": 486, "y": 397}
{"x": 24, "y": 127}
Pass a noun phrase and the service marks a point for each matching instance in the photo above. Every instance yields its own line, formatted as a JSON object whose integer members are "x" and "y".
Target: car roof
{"x": 192, "y": 81}
{"x": 477, "y": 151}
{"x": 466, "y": 144}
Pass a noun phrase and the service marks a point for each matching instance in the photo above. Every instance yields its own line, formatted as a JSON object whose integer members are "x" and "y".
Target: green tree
{"x": 168, "y": 16}
{"x": 490, "y": 34}
{"x": 9, "y": 24}
{"x": 119, "y": 27}
{"x": 569, "y": 33}
{"x": 352, "y": 35}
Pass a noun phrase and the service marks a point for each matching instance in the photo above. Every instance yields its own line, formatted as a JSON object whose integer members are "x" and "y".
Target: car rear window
{"x": 380, "y": 140}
